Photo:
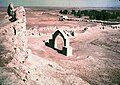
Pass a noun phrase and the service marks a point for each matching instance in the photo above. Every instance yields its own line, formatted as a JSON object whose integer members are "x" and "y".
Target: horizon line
{"x": 68, "y": 6}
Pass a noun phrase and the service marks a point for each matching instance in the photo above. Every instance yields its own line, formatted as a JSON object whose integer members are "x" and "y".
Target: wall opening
{"x": 14, "y": 31}
{"x": 59, "y": 42}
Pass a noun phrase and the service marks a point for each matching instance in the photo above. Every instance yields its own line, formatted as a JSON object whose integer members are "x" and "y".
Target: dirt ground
{"x": 96, "y": 52}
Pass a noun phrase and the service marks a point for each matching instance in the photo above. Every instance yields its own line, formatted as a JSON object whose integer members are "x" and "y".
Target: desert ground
{"x": 96, "y": 51}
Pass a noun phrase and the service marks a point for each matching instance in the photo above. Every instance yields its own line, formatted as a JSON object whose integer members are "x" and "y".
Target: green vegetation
{"x": 64, "y": 12}
{"x": 94, "y": 14}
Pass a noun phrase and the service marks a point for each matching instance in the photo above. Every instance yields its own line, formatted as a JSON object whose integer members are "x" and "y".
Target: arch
{"x": 66, "y": 50}
{"x": 59, "y": 42}
{"x": 63, "y": 35}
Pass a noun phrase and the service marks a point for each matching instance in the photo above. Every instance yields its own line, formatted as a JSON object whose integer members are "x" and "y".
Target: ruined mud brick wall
{"x": 20, "y": 38}
{"x": 13, "y": 39}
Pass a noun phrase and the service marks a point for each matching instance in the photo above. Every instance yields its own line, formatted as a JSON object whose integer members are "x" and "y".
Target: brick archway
{"x": 66, "y": 50}
{"x": 63, "y": 35}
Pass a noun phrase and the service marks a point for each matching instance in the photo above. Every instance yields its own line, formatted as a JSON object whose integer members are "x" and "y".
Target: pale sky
{"x": 63, "y": 3}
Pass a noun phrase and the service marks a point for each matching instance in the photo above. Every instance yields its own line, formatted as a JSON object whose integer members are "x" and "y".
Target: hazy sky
{"x": 63, "y": 3}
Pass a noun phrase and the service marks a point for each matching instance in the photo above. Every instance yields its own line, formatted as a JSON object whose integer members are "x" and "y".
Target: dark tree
{"x": 85, "y": 12}
{"x": 114, "y": 15}
{"x": 73, "y": 12}
{"x": 79, "y": 14}
{"x": 65, "y": 12}
{"x": 92, "y": 14}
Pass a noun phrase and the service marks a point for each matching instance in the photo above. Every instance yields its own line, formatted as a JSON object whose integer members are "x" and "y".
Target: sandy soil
{"x": 96, "y": 55}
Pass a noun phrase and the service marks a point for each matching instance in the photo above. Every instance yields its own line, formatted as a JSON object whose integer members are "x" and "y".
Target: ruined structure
{"x": 62, "y": 18}
{"x": 15, "y": 13}
{"x": 66, "y": 50}
{"x": 13, "y": 44}
{"x": 13, "y": 36}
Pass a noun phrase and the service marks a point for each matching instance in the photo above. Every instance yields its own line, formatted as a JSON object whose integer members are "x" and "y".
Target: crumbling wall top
{"x": 15, "y": 13}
